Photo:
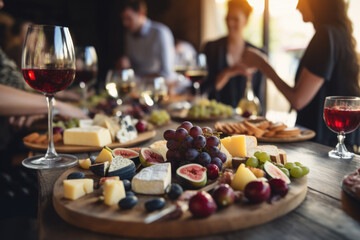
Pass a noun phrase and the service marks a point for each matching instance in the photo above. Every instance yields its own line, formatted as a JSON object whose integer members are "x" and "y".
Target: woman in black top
{"x": 225, "y": 82}
{"x": 329, "y": 67}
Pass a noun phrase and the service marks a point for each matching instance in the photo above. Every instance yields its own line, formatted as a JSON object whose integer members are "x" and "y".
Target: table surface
{"x": 320, "y": 216}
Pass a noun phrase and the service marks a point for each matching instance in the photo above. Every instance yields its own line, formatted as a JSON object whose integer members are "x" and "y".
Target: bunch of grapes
{"x": 192, "y": 144}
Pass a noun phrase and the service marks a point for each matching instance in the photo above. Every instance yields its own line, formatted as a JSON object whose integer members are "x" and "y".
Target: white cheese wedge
{"x": 89, "y": 136}
{"x": 76, "y": 188}
{"x": 114, "y": 191}
{"x": 152, "y": 180}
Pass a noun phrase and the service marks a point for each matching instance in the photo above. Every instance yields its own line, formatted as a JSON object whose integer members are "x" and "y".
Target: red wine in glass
{"x": 85, "y": 76}
{"x": 48, "y": 80}
{"x": 48, "y": 66}
{"x": 340, "y": 119}
{"x": 342, "y": 115}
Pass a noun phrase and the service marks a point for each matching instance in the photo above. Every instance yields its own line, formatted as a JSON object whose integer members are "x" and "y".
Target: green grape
{"x": 257, "y": 153}
{"x": 296, "y": 172}
{"x": 289, "y": 165}
{"x": 298, "y": 164}
{"x": 263, "y": 157}
{"x": 286, "y": 171}
{"x": 252, "y": 162}
{"x": 261, "y": 166}
{"x": 305, "y": 170}
{"x": 279, "y": 165}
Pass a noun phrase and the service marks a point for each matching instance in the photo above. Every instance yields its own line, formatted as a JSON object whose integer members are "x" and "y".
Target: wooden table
{"x": 320, "y": 216}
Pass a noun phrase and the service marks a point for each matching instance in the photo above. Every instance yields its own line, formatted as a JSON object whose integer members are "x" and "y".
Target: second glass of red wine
{"x": 342, "y": 116}
{"x": 197, "y": 73}
{"x": 86, "y": 71}
{"x": 48, "y": 66}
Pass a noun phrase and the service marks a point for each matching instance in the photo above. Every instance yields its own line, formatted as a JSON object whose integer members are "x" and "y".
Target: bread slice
{"x": 250, "y": 142}
{"x": 283, "y": 156}
{"x": 272, "y": 150}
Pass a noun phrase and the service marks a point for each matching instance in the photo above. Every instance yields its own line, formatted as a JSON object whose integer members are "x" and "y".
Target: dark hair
{"x": 334, "y": 13}
{"x": 135, "y": 5}
{"x": 243, "y": 5}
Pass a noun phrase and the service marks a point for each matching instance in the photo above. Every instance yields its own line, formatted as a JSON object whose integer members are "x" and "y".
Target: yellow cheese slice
{"x": 114, "y": 191}
{"x": 76, "y": 188}
{"x": 90, "y": 136}
{"x": 236, "y": 145}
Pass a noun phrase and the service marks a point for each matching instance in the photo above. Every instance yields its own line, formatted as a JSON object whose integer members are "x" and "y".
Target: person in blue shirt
{"x": 149, "y": 45}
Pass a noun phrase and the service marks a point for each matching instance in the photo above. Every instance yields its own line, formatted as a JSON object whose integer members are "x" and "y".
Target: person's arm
{"x": 14, "y": 102}
{"x": 299, "y": 96}
{"x": 223, "y": 78}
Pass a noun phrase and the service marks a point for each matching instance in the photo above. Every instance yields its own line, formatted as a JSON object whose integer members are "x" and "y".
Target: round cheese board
{"x": 62, "y": 148}
{"x": 90, "y": 213}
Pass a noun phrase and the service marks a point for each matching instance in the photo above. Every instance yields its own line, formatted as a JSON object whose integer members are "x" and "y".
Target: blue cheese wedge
{"x": 122, "y": 167}
{"x": 152, "y": 180}
{"x": 100, "y": 169}
{"x": 127, "y": 131}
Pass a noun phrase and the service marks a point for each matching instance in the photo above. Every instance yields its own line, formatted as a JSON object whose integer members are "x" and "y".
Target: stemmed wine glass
{"x": 197, "y": 73}
{"x": 48, "y": 66}
{"x": 342, "y": 116}
{"x": 86, "y": 71}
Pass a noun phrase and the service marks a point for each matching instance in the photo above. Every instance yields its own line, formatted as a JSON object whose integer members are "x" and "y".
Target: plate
{"x": 303, "y": 136}
{"x": 89, "y": 213}
{"x": 182, "y": 116}
{"x": 61, "y": 148}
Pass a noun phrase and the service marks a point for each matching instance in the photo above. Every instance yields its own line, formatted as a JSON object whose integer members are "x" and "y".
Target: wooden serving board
{"x": 89, "y": 213}
{"x": 182, "y": 116}
{"x": 303, "y": 136}
{"x": 60, "y": 147}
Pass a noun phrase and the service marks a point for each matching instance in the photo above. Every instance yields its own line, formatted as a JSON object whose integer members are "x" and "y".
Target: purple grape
{"x": 180, "y": 134}
{"x": 191, "y": 154}
{"x": 199, "y": 142}
{"x": 212, "y": 141}
{"x": 172, "y": 144}
{"x": 217, "y": 162}
{"x": 169, "y": 134}
{"x": 187, "y": 142}
{"x": 207, "y": 130}
{"x": 203, "y": 159}
{"x": 222, "y": 157}
{"x": 213, "y": 151}
{"x": 170, "y": 154}
{"x": 195, "y": 131}
{"x": 179, "y": 155}
{"x": 187, "y": 125}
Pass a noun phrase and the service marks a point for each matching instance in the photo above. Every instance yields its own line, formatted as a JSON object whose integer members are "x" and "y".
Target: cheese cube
{"x": 84, "y": 123}
{"x": 114, "y": 191}
{"x": 89, "y": 136}
{"x": 76, "y": 188}
{"x": 236, "y": 145}
{"x": 152, "y": 180}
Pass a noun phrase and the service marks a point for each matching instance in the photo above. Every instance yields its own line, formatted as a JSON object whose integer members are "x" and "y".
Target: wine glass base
{"x": 340, "y": 155}
{"x": 40, "y": 162}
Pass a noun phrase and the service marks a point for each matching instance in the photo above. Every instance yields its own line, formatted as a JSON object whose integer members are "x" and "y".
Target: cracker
{"x": 257, "y": 131}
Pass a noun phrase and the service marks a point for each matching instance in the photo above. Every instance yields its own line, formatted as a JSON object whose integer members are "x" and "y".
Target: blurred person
{"x": 149, "y": 45}
{"x": 329, "y": 67}
{"x": 226, "y": 80}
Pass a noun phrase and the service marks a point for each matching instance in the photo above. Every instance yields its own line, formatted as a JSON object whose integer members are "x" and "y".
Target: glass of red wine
{"x": 197, "y": 73}
{"x": 342, "y": 116}
{"x": 86, "y": 71}
{"x": 48, "y": 66}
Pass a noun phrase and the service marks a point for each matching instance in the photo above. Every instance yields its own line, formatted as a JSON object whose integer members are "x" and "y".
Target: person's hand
{"x": 69, "y": 111}
{"x": 19, "y": 122}
{"x": 253, "y": 58}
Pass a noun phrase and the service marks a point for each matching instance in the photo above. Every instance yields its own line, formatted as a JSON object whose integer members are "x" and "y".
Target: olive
{"x": 76, "y": 175}
{"x": 130, "y": 193}
{"x": 92, "y": 159}
{"x": 154, "y": 204}
{"x": 127, "y": 185}
{"x": 174, "y": 191}
{"x": 128, "y": 202}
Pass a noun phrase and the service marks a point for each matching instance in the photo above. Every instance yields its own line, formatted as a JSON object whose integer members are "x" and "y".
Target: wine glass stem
{"x": 340, "y": 147}
{"x": 197, "y": 89}
{"x": 50, "y": 153}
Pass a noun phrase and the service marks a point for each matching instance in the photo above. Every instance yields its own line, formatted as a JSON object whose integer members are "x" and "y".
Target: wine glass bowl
{"x": 342, "y": 116}
{"x": 48, "y": 66}
{"x": 86, "y": 70}
{"x": 197, "y": 73}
